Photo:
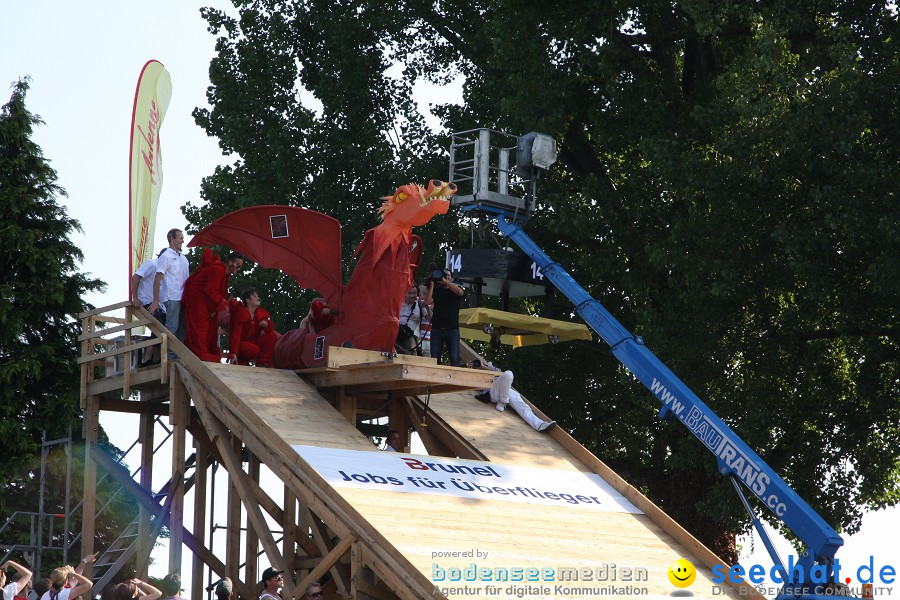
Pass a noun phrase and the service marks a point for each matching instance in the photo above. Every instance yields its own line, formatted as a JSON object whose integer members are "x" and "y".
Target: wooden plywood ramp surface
{"x": 425, "y": 543}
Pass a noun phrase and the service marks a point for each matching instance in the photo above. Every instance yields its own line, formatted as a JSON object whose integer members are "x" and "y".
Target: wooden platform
{"x": 363, "y": 371}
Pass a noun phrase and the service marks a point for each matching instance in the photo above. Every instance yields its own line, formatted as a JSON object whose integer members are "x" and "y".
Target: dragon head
{"x": 413, "y": 205}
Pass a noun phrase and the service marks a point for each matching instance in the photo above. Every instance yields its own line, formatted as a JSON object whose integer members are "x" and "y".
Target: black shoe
{"x": 484, "y": 396}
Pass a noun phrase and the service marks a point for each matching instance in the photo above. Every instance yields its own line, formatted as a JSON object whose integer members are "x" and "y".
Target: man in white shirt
{"x": 393, "y": 443}
{"x": 11, "y": 589}
{"x": 142, "y": 295}
{"x": 171, "y": 266}
{"x": 501, "y": 394}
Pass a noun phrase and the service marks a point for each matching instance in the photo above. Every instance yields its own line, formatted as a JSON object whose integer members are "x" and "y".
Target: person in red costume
{"x": 204, "y": 292}
{"x": 253, "y": 334}
{"x": 319, "y": 317}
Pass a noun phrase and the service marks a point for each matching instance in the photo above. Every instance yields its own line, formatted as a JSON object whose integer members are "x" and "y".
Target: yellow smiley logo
{"x": 682, "y": 573}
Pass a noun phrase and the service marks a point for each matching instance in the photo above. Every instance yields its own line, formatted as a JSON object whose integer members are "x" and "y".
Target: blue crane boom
{"x": 735, "y": 458}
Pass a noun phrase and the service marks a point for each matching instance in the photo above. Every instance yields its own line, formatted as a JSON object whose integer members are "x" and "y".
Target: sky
{"x": 83, "y": 59}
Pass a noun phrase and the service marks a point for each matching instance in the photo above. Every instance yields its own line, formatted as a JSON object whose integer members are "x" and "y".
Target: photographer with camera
{"x": 447, "y": 297}
{"x": 412, "y": 312}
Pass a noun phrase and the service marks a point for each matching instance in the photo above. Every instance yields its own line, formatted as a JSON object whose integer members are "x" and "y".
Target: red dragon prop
{"x": 306, "y": 245}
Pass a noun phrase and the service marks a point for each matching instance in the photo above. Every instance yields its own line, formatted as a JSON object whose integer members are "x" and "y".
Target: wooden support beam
{"x": 144, "y": 548}
{"x": 200, "y": 473}
{"x": 232, "y": 460}
{"x": 141, "y": 379}
{"x": 390, "y": 376}
{"x": 326, "y": 547}
{"x": 147, "y": 500}
{"x": 123, "y": 350}
{"x": 303, "y": 534}
{"x": 159, "y": 409}
{"x": 432, "y": 443}
{"x": 395, "y": 581}
{"x": 329, "y": 562}
{"x": 290, "y": 529}
{"x": 91, "y": 426}
{"x": 440, "y": 429}
{"x": 346, "y": 405}
{"x": 379, "y": 593}
{"x": 103, "y": 309}
{"x": 233, "y": 521}
{"x": 399, "y": 419}
{"x": 128, "y": 358}
{"x": 356, "y": 568}
{"x": 262, "y": 498}
{"x": 87, "y": 335}
{"x": 87, "y": 369}
{"x": 339, "y": 357}
{"x": 179, "y": 415}
{"x": 252, "y": 549}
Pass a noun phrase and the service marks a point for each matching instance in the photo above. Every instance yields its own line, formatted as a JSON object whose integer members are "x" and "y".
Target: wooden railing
{"x": 99, "y": 351}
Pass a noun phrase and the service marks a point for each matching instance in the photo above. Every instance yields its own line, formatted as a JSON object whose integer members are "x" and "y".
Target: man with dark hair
{"x": 171, "y": 586}
{"x": 447, "y": 296}
{"x": 253, "y": 334}
{"x": 171, "y": 266}
{"x": 40, "y": 587}
{"x": 393, "y": 443}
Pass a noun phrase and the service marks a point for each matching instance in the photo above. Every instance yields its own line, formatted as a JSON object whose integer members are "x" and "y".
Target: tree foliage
{"x": 726, "y": 187}
{"x": 41, "y": 291}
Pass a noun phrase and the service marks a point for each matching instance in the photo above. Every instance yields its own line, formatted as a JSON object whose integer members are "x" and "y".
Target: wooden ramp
{"x": 538, "y": 516}
{"x": 416, "y": 543}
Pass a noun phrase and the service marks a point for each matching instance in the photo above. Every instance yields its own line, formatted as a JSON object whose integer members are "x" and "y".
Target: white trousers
{"x": 502, "y": 393}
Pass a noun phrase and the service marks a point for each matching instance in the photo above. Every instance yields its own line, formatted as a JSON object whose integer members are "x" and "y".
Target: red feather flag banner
{"x": 302, "y": 243}
{"x": 151, "y": 100}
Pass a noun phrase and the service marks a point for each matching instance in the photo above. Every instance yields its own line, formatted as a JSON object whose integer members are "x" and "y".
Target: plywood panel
{"x": 292, "y": 408}
{"x": 508, "y": 535}
{"x": 502, "y": 436}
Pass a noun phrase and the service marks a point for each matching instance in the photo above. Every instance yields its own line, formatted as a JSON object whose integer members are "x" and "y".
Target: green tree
{"x": 42, "y": 292}
{"x": 726, "y": 187}
{"x": 340, "y": 159}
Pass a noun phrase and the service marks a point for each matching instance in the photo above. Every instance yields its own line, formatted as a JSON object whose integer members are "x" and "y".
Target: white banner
{"x": 151, "y": 100}
{"x": 415, "y": 474}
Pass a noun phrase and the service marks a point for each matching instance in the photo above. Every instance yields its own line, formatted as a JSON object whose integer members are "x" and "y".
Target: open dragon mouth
{"x": 413, "y": 205}
{"x": 437, "y": 190}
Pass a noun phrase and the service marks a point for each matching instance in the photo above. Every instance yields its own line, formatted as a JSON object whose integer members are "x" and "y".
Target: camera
{"x": 437, "y": 274}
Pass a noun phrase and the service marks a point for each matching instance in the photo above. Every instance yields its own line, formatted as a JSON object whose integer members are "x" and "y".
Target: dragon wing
{"x": 302, "y": 243}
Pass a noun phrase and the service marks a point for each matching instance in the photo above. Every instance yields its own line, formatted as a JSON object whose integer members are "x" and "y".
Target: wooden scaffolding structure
{"x": 362, "y": 544}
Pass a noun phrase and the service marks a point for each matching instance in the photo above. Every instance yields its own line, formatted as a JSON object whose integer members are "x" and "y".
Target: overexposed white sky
{"x": 84, "y": 59}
